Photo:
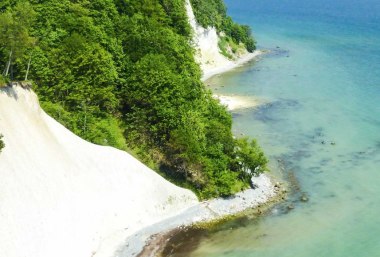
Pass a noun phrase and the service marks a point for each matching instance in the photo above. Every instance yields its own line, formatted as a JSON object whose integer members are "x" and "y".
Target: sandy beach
{"x": 236, "y": 102}
{"x": 210, "y": 71}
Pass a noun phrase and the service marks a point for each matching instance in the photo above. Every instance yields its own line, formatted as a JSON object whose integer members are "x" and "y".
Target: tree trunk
{"x": 9, "y": 63}
{"x": 85, "y": 119}
{"x": 27, "y": 70}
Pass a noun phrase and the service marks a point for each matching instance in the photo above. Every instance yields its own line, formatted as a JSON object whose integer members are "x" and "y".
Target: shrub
{"x": 3, "y": 81}
{"x": 213, "y": 13}
{"x": 2, "y": 145}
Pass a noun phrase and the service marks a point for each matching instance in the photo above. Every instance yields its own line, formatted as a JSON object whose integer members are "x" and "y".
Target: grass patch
{"x": 3, "y": 81}
{"x": 229, "y": 48}
{"x": 224, "y": 47}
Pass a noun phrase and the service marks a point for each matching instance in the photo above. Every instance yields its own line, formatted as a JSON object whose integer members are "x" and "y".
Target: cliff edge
{"x": 63, "y": 196}
{"x": 208, "y": 54}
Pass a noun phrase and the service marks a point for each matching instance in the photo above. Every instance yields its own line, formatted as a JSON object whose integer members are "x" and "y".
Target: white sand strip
{"x": 205, "y": 211}
{"x": 236, "y": 102}
{"x": 209, "y": 72}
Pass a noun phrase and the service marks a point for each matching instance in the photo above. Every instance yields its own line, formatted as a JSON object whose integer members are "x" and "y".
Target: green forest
{"x": 122, "y": 73}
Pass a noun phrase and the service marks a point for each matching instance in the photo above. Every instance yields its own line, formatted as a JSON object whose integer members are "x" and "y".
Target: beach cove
{"x": 311, "y": 103}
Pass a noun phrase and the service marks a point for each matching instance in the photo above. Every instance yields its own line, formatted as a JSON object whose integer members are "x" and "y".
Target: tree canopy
{"x": 122, "y": 73}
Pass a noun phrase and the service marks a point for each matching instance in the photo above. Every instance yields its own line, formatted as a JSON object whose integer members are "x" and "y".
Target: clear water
{"x": 322, "y": 81}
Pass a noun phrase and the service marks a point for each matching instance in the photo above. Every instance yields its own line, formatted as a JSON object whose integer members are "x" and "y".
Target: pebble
{"x": 304, "y": 198}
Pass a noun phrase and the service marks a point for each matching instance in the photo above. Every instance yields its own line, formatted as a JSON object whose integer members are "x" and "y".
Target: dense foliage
{"x": 213, "y": 13}
{"x": 122, "y": 73}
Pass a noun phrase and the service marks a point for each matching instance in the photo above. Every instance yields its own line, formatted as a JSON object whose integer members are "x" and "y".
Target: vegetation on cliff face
{"x": 122, "y": 73}
{"x": 213, "y": 13}
{"x": 2, "y": 145}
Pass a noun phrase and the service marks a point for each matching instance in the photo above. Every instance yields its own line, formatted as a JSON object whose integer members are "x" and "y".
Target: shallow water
{"x": 322, "y": 122}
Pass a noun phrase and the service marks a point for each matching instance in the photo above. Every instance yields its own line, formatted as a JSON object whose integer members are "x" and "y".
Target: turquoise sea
{"x": 321, "y": 124}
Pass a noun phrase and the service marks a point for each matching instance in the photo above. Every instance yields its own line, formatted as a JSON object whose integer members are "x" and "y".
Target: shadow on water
{"x": 271, "y": 112}
{"x": 277, "y": 52}
{"x": 359, "y": 157}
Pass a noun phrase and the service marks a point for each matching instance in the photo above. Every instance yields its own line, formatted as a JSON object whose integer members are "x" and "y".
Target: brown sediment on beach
{"x": 165, "y": 243}
{"x": 154, "y": 246}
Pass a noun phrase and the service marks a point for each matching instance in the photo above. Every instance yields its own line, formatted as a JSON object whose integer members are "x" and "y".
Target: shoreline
{"x": 236, "y": 102}
{"x": 152, "y": 240}
{"x": 210, "y": 72}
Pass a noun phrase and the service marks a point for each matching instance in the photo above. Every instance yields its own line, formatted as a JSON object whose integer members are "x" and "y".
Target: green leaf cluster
{"x": 122, "y": 73}
{"x": 213, "y": 13}
{"x": 15, "y": 39}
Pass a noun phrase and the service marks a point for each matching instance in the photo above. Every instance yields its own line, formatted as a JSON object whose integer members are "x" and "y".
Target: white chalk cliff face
{"x": 62, "y": 196}
{"x": 208, "y": 56}
{"x": 206, "y": 43}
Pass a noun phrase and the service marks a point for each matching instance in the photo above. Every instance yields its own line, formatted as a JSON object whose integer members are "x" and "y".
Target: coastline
{"x": 209, "y": 71}
{"x": 151, "y": 241}
{"x": 235, "y": 102}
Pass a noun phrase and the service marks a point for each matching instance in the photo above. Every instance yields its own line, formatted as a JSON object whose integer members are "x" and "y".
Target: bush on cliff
{"x": 213, "y": 13}
{"x": 2, "y": 145}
